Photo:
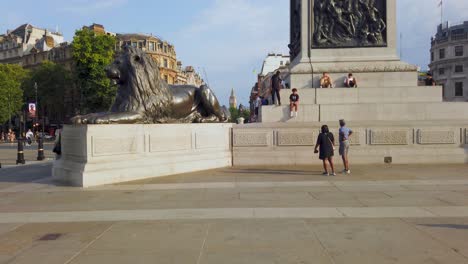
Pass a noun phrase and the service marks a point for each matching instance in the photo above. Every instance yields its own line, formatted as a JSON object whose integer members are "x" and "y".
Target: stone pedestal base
{"x": 97, "y": 155}
{"x": 367, "y": 73}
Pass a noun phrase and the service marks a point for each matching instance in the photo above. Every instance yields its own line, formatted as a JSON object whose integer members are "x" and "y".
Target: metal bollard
{"x": 40, "y": 149}
{"x": 20, "y": 158}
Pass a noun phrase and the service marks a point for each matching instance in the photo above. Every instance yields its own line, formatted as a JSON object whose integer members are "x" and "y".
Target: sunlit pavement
{"x": 378, "y": 214}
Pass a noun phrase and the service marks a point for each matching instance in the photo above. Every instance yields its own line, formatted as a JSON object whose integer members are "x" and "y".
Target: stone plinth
{"x": 105, "y": 154}
{"x": 410, "y": 142}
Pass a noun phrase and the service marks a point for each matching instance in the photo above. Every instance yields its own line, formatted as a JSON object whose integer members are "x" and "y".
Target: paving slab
{"x": 380, "y": 241}
{"x": 452, "y": 232}
{"x": 147, "y": 242}
{"x": 262, "y": 241}
{"x": 29, "y": 242}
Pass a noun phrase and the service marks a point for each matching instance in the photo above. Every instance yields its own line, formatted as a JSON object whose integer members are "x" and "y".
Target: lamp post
{"x": 9, "y": 107}
{"x": 36, "y": 116}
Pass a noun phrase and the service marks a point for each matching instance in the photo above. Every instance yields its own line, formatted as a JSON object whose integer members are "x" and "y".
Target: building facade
{"x": 449, "y": 60}
{"x": 161, "y": 51}
{"x": 273, "y": 62}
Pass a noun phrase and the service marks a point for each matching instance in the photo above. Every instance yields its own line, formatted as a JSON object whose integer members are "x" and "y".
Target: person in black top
{"x": 294, "y": 102}
{"x": 430, "y": 81}
{"x": 276, "y": 87}
{"x": 326, "y": 142}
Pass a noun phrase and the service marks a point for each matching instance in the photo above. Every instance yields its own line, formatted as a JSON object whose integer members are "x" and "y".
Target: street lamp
{"x": 37, "y": 105}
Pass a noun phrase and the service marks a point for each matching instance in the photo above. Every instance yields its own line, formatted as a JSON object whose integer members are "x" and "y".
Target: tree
{"x": 11, "y": 95}
{"x": 236, "y": 113}
{"x": 92, "y": 53}
{"x": 54, "y": 82}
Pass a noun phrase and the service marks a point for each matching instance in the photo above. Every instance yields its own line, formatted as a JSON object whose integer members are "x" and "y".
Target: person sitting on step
{"x": 326, "y": 81}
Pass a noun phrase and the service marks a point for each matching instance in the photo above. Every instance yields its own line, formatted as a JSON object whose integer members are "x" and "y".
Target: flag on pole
{"x": 440, "y": 3}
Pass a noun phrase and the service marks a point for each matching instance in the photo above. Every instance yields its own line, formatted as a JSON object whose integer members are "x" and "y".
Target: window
{"x": 165, "y": 49}
{"x": 166, "y": 78}
{"x": 441, "y": 71}
{"x": 140, "y": 44}
{"x": 432, "y": 56}
{"x": 458, "y": 89}
{"x": 442, "y": 54}
{"x": 458, "y": 51}
{"x": 165, "y": 63}
{"x": 281, "y": 63}
{"x": 458, "y": 68}
{"x": 160, "y": 46}
{"x": 151, "y": 46}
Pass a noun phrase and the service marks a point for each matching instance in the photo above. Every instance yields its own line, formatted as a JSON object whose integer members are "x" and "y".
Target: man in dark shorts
{"x": 294, "y": 102}
{"x": 344, "y": 136}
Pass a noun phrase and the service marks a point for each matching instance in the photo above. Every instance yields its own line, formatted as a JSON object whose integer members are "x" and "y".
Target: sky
{"x": 225, "y": 40}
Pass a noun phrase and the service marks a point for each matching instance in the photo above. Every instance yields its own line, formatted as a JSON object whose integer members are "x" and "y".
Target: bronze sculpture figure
{"x": 349, "y": 23}
{"x": 143, "y": 97}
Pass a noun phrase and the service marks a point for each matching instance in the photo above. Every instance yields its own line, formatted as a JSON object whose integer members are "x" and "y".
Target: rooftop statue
{"x": 349, "y": 23}
{"x": 143, "y": 97}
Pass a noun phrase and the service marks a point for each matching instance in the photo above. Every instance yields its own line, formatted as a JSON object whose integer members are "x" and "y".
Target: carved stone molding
{"x": 252, "y": 139}
{"x": 168, "y": 142}
{"x": 427, "y": 137}
{"x": 296, "y": 138}
{"x": 466, "y": 136}
{"x": 389, "y": 137}
{"x": 114, "y": 146}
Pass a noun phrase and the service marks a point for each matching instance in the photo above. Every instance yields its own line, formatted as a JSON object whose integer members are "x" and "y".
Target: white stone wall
{"x": 96, "y": 155}
{"x": 282, "y": 145}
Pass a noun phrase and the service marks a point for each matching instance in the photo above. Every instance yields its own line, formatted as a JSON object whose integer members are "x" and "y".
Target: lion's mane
{"x": 141, "y": 88}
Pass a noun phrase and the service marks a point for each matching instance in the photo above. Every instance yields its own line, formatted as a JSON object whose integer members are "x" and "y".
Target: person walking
{"x": 326, "y": 144}
{"x": 257, "y": 104}
{"x": 29, "y": 137}
{"x": 344, "y": 136}
{"x": 276, "y": 87}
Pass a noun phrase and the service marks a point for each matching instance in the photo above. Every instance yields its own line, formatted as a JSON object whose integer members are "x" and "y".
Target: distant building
{"x": 273, "y": 62}
{"x": 99, "y": 30}
{"x": 28, "y": 46}
{"x": 233, "y": 99}
{"x": 449, "y": 60}
{"x": 188, "y": 76}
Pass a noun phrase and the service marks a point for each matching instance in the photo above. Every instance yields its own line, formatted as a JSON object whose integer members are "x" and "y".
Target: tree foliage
{"x": 92, "y": 53}
{"x": 54, "y": 82}
{"x": 11, "y": 95}
{"x": 236, "y": 113}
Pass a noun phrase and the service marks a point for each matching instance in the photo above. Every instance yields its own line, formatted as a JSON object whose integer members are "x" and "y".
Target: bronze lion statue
{"x": 143, "y": 97}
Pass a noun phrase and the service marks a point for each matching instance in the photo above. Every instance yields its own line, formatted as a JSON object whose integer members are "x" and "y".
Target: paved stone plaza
{"x": 379, "y": 214}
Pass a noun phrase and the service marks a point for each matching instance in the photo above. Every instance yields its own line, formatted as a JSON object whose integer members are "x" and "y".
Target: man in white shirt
{"x": 29, "y": 137}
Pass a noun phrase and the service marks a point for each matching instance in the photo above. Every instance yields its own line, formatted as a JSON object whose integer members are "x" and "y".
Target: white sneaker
{"x": 295, "y": 114}
{"x": 333, "y": 174}
{"x": 348, "y": 172}
{"x": 292, "y": 114}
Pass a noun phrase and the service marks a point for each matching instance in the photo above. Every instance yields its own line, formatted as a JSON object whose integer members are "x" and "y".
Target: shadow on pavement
{"x": 26, "y": 173}
{"x": 274, "y": 172}
{"x": 451, "y": 226}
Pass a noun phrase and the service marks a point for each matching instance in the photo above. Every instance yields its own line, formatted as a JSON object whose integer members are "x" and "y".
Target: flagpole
{"x": 441, "y": 12}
